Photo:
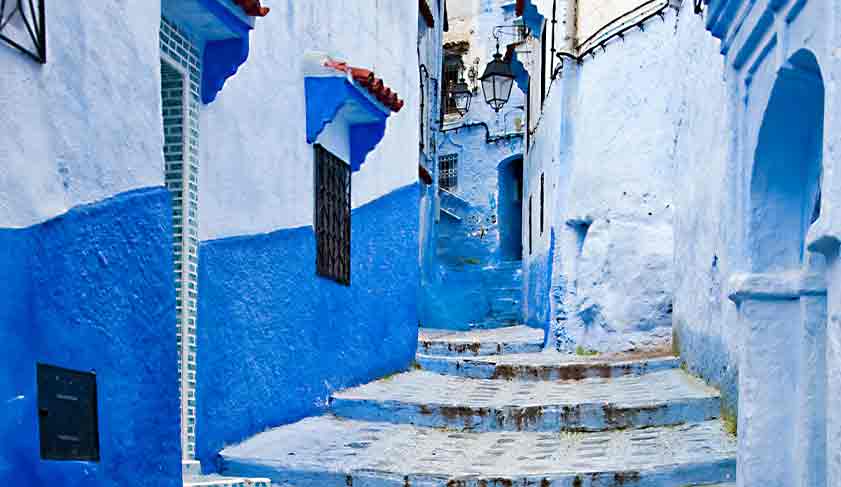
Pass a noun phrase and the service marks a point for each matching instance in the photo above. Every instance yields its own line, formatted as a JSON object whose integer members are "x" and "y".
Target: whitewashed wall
{"x": 257, "y": 168}
{"x": 87, "y": 124}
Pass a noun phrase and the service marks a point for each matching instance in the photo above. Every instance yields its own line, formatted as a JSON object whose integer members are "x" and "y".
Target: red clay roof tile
{"x": 368, "y": 80}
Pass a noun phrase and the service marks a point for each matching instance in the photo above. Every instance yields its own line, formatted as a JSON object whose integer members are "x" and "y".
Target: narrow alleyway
{"x": 485, "y": 408}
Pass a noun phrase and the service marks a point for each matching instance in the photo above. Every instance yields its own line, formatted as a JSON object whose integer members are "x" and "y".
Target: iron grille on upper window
{"x": 448, "y": 172}
{"x": 332, "y": 216}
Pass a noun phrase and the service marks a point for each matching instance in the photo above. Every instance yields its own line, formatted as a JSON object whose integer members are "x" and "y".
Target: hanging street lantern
{"x": 461, "y": 96}
{"x": 497, "y": 81}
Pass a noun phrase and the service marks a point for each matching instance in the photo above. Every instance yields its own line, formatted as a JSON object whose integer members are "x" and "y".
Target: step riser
{"x": 479, "y": 370}
{"x": 677, "y": 476}
{"x": 582, "y": 417}
{"x": 476, "y": 349}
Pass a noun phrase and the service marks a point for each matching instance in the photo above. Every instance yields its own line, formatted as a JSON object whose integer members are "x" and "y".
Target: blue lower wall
{"x": 537, "y": 286}
{"x": 93, "y": 290}
{"x": 274, "y": 340}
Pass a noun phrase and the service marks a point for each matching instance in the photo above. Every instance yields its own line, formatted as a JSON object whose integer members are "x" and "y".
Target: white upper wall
{"x": 257, "y": 168}
{"x": 87, "y": 124}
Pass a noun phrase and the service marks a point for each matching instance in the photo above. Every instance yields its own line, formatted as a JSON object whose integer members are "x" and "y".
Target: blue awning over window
{"x": 220, "y": 29}
{"x": 363, "y": 100}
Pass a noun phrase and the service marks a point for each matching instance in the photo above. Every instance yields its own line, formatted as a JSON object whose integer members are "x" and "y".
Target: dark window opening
{"x": 448, "y": 172}
{"x": 332, "y": 216}
{"x": 530, "y": 245}
{"x": 543, "y": 67}
{"x": 541, "y": 204}
{"x": 68, "y": 422}
{"x": 452, "y": 68}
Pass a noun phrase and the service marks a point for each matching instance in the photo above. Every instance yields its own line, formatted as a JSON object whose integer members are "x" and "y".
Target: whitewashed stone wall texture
{"x": 72, "y": 132}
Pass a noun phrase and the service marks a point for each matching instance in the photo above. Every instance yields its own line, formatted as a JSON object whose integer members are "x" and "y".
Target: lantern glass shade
{"x": 461, "y": 97}
{"x": 497, "y": 82}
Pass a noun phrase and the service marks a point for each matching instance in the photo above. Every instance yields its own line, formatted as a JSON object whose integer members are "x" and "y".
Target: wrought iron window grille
{"x": 332, "y": 216}
{"x": 27, "y": 16}
{"x": 448, "y": 172}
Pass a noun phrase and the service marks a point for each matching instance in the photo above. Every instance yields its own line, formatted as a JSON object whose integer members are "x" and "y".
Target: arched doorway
{"x": 782, "y": 368}
{"x": 510, "y": 180}
{"x": 785, "y": 182}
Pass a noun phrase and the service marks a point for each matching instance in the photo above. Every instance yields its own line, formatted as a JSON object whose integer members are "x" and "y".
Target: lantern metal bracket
{"x": 33, "y": 19}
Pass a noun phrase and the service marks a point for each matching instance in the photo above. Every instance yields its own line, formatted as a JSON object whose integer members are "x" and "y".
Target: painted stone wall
{"x": 613, "y": 199}
{"x": 86, "y": 125}
{"x": 274, "y": 338}
{"x": 276, "y": 341}
{"x": 92, "y": 290}
{"x": 86, "y": 246}
{"x": 706, "y": 332}
{"x": 257, "y": 125}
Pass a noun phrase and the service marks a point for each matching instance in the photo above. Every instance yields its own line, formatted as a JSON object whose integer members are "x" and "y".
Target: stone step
{"x": 424, "y": 398}
{"x": 473, "y": 343}
{"x": 331, "y": 452}
{"x": 549, "y": 365}
{"x": 220, "y": 481}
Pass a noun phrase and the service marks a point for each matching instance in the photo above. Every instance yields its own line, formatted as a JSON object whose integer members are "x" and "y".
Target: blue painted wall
{"x": 93, "y": 290}
{"x": 275, "y": 340}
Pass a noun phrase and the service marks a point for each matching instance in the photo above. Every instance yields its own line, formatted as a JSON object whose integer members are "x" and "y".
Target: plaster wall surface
{"x": 91, "y": 290}
{"x": 707, "y": 228}
{"x": 541, "y": 258}
{"x": 275, "y": 341}
{"x": 72, "y": 131}
{"x": 273, "y": 162}
{"x": 613, "y": 193}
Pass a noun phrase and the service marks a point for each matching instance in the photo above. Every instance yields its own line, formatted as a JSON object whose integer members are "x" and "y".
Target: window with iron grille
{"x": 448, "y": 172}
{"x": 332, "y": 216}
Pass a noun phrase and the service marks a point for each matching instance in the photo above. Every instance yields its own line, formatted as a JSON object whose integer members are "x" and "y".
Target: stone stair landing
{"x": 427, "y": 399}
{"x": 332, "y": 452}
{"x": 543, "y": 366}
{"x": 622, "y": 420}
{"x": 512, "y": 339}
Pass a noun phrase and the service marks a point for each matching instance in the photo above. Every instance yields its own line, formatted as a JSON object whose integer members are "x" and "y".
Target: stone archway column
{"x": 772, "y": 384}
{"x": 821, "y": 240}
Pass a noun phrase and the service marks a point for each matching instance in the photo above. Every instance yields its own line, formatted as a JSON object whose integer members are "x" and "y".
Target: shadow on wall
{"x": 275, "y": 340}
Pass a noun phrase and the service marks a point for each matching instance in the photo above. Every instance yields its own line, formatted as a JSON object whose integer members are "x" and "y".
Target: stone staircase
{"x": 486, "y": 408}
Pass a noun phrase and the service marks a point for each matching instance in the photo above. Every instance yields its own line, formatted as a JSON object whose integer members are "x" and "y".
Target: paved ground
{"x": 624, "y": 420}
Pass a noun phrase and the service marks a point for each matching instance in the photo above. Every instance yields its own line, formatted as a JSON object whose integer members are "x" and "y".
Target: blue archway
{"x": 785, "y": 181}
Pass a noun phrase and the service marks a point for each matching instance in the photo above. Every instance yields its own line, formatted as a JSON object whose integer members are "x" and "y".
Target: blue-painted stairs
{"x": 491, "y": 410}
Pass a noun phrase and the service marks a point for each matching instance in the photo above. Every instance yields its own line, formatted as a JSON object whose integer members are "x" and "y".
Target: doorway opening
{"x": 510, "y": 179}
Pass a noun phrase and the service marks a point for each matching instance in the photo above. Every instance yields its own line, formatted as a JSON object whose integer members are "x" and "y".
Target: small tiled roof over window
{"x": 253, "y": 8}
{"x": 367, "y": 79}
